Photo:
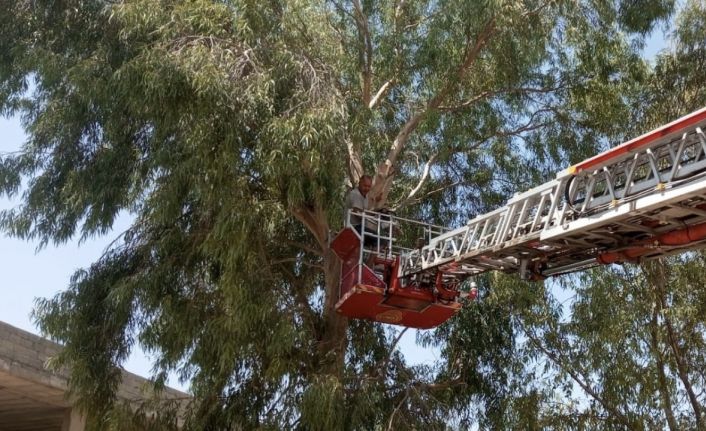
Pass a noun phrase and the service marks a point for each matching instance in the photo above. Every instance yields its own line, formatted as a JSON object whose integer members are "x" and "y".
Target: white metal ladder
{"x": 649, "y": 185}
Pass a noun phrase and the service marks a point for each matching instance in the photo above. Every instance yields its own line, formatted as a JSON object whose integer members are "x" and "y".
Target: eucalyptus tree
{"x": 229, "y": 131}
{"x": 627, "y": 353}
{"x": 628, "y": 348}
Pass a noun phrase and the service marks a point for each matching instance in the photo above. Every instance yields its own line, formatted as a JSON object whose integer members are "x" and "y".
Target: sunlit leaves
{"x": 223, "y": 128}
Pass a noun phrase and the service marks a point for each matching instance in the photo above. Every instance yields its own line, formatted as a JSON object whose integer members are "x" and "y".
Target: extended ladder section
{"x": 642, "y": 199}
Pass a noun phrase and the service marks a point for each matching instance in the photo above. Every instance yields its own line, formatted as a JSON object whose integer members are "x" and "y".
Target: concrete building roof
{"x": 33, "y": 398}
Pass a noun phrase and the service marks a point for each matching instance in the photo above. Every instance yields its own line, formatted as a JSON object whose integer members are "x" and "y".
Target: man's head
{"x": 364, "y": 185}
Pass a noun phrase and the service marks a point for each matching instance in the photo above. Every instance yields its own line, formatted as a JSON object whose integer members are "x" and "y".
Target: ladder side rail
{"x": 507, "y": 222}
{"x": 467, "y": 236}
{"x": 555, "y": 196}
{"x": 686, "y": 170}
{"x": 629, "y": 181}
{"x": 612, "y": 184}
{"x": 483, "y": 233}
{"x": 658, "y": 136}
{"x": 521, "y": 218}
{"x": 640, "y": 205}
{"x": 433, "y": 252}
{"x": 495, "y": 223}
{"x": 502, "y": 220}
{"x": 472, "y": 238}
{"x": 493, "y": 227}
{"x": 671, "y": 152}
{"x": 652, "y": 158}
{"x": 588, "y": 197}
{"x": 702, "y": 140}
{"x": 563, "y": 206}
{"x": 489, "y": 231}
{"x": 649, "y": 153}
{"x": 538, "y": 214}
{"x": 678, "y": 157}
{"x": 648, "y": 161}
{"x": 609, "y": 183}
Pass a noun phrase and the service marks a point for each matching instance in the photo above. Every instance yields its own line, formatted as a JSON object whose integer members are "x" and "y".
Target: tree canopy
{"x": 230, "y": 132}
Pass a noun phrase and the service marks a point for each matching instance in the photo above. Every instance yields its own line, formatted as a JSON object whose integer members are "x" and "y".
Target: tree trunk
{"x": 332, "y": 336}
{"x": 333, "y": 341}
{"x": 666, "y": 399}
{"x": 657, "y": 276}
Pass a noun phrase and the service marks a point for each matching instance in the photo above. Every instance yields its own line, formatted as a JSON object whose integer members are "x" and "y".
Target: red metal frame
{"x": 365, "y": 295}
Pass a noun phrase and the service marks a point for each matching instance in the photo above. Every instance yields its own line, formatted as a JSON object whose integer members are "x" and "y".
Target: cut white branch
{"x": 355, "y": 166}
{"x": 422, "y": 180}
{"x": 381, "y": 92}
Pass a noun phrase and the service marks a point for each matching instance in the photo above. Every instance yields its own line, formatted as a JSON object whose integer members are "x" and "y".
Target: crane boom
{"x": 589, "y": 214}
{"x": 639, "y": 200}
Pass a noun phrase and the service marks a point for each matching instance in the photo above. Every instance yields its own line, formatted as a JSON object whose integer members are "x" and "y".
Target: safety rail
{"x": 386, "y": 234}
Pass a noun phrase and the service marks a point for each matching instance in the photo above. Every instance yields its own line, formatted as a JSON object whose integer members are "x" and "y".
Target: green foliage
{"x": 227, "y": 129}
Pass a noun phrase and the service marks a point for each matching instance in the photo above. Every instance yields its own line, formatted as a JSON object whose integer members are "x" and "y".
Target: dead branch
{"x": 422, "y": 180}
{"x": 381, "y": 92}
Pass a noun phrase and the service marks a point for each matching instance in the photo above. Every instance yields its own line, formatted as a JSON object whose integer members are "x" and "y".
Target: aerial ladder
{"x": 640, "y": 200}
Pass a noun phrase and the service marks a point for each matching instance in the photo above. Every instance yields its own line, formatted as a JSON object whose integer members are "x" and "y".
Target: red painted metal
{"x": 679, "y": 237}
{"x": 346, "y": 245}
{"x": 672, "y": 128}
{"x": 368, "y": 302}
{"x": 366, "y": 295}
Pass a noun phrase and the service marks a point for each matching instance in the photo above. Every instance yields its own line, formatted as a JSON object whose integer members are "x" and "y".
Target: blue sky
{"x": 27, "y": 274}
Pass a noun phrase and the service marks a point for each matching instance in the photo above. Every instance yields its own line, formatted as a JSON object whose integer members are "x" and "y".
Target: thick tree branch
{"x": 355, "y": 166}
{"x": 365, "y": 52}
{"x": 384, "y": 173}
{"x": 332, "y": 339}
{"x": 314, "y": 220}
{"x": 661, "y": 377}
{"x": 657, "y": 276}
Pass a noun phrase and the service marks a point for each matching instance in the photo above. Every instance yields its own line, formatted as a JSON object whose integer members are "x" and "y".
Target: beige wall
{"x": 32, "y": 398}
